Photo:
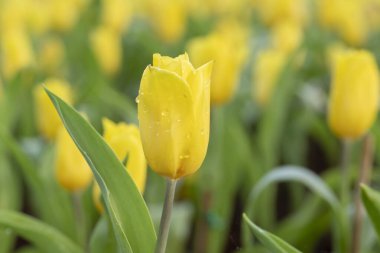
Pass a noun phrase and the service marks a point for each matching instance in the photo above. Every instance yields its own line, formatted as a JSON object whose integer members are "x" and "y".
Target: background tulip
{"x": 354, "y": 94}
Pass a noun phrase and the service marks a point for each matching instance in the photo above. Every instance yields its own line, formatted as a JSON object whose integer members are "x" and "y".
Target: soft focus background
{"x": 270, "y": 86}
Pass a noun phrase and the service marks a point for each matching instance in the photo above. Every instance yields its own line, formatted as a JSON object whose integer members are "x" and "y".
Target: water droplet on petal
{"x": 137, "y": 99}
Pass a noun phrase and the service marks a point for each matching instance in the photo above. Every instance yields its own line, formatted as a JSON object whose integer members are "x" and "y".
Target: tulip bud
{"x": 116, "y": 14}
{"x": 17, "y": 51}
{"x": 72, "y": 171}
{"x": 64, "y": 14}
{"x": 51, "y": 55}
{"x": 354, "y": 94}
{"x": 228, "y": 50}
{"x": 287, "y": 36}
{"x": 107, "y": 48}
{"x": 266, "y": 72}
{"x": 174, "y": 115}
{"x": 48, "y": 121}
{"x": 125, "y": 141}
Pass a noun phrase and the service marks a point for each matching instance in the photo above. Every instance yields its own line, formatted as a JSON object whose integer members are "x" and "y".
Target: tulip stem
{"x": 165, "y": 217}
{"x": 345, "y": 172}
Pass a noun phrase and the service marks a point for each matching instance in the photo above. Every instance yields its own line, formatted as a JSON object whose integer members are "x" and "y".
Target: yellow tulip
{"x": 287, "y": 36}
{"x": 228, "y": 49}
{"x": 354, "y": 94}
{"x": 275, "y": 11}
{"x": 106, "y": 45}
{"x": 347, "y": 17}
{"x": 72, "y": 170}
{"x": 51, "y": 55}
{"x": 168, "y": 18}
{"x": 125, "y": 141}
{"x": 17, "y": 52}
{"x": 64, "y": 14}
{"x": 174, "y": 115}
{"x": 116, "y": 14}
{"x": 39, "y": 16}
{"x": 266, "y": 72}
{"x": 48, "y": 121}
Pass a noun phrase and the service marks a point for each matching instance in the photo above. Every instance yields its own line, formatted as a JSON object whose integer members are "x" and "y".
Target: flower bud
{"x": 72, "y": 170}
{"x": 354, "y": 94}
{"x": 48, "y": 121}
{"x": 174, "y": 115}
{"x": 125, "y": 141}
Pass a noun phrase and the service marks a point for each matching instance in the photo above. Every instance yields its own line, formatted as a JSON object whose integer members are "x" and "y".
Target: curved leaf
{"x": 371, "y": 201}
{"x": 41, "y": 235}
{"x": 129, "y": 215}
{"x": 272, "y": 242}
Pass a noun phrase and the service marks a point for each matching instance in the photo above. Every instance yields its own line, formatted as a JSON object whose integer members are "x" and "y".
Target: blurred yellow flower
{"x": 174, "y": 115}
{"x": 13, "y": 15}
{"x": 48, "y": 121}
{"x": 276, "y": 11}
{"x": 107, "y": 47}
{"x": 228, "y": 49}
{"x": 333, "y": 52}
{"x": 354, "y": 94}
{"x": 287, "y": 36}
{"x": 72, "y": 170}
{"x": 116, "y": 14}
{"x": 125, "y": 141}
{"x": 347, "y": 17}
{"x": 51, "y": 54}
{"x": 39, "y": 16}
{"x": 266, "y": 71}
{"x": 168, "y": 18}
{"x": 64, "y": 14}
{"x": 16, "y": 51}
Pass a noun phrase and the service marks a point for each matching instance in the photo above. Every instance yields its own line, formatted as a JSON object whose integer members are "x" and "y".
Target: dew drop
{"x": 179, "y": 120}
{"x": 184, "y": 157}
{"x": 137, "y": 99}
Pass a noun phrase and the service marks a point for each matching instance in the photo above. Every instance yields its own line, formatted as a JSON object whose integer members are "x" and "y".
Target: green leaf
{"x": 312, "y": 181}
{"x": 371, "y": 201}
{"x": 102, "y": 239}
{"x": 41, "y": 235}
{"x": 272, "y": 242}
{"x": 129, "y": 215}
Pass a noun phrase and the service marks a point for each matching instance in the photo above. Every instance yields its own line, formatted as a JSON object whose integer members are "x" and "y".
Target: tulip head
{"x": 51, "y": 55}
{"x": 174, "y": 115}
{"x": 354, "y": 94}
{"x": 116, "y": 14}
{"x": 228, "y": 50}
{"x": 106, "y": 45}
{"x": 48, "y": 121}
{"x": 266, "y": 72}
{"x": 125, "y": 142}
{"x": 72, "y": 170}
{"x": 287, "y": 36}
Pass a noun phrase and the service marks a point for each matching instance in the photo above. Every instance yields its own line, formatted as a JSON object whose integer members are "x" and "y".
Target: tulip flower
{"x": 174, "y": 115}
{"x": 125, "y": 141}
{"x": 354, "y": 95}
{"x": 228, "y": 49}
{"x": 51, "y": 55}
{"x": 287, "y": 36}
{"x": 48, "y": 121}
{"x": 17, "y": 51}
{"x": 266, "y": 72}
{"x": 168, "y": 18}
{"x": 72, "y": 170}
{"x": 116, "y": 14}
{"x": 106, "y": 45}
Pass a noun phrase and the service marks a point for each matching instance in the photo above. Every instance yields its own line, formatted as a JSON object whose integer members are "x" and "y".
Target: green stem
{"x": 345, "y": 177}
{"x": 165, "y": 218}
{"x": 79, "y": 217}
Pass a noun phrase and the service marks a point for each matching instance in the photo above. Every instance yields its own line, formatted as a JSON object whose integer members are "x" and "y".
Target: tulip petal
{"x": 166, "y": 117}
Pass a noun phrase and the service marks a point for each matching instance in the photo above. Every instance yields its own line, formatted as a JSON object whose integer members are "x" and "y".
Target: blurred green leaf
{"x": 52, "y": 203}
{"x": 41, "y": 235}
{"x": 102, "y": 239}
{"x": 272, "y": 242}
{"x": 371, "y": 201}
{"x": 128, "y": 212}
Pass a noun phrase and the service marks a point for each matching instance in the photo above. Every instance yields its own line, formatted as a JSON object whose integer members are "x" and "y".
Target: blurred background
{"x": 273, "y": 61}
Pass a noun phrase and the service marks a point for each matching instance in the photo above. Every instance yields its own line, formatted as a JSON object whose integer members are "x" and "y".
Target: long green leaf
{"x": 41, "y": 235}
{"x": 132, "y": 224}
{"x": 272, "y": 242}
{"x": 309, "y": 179}
{"x": 371, "y": 201}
